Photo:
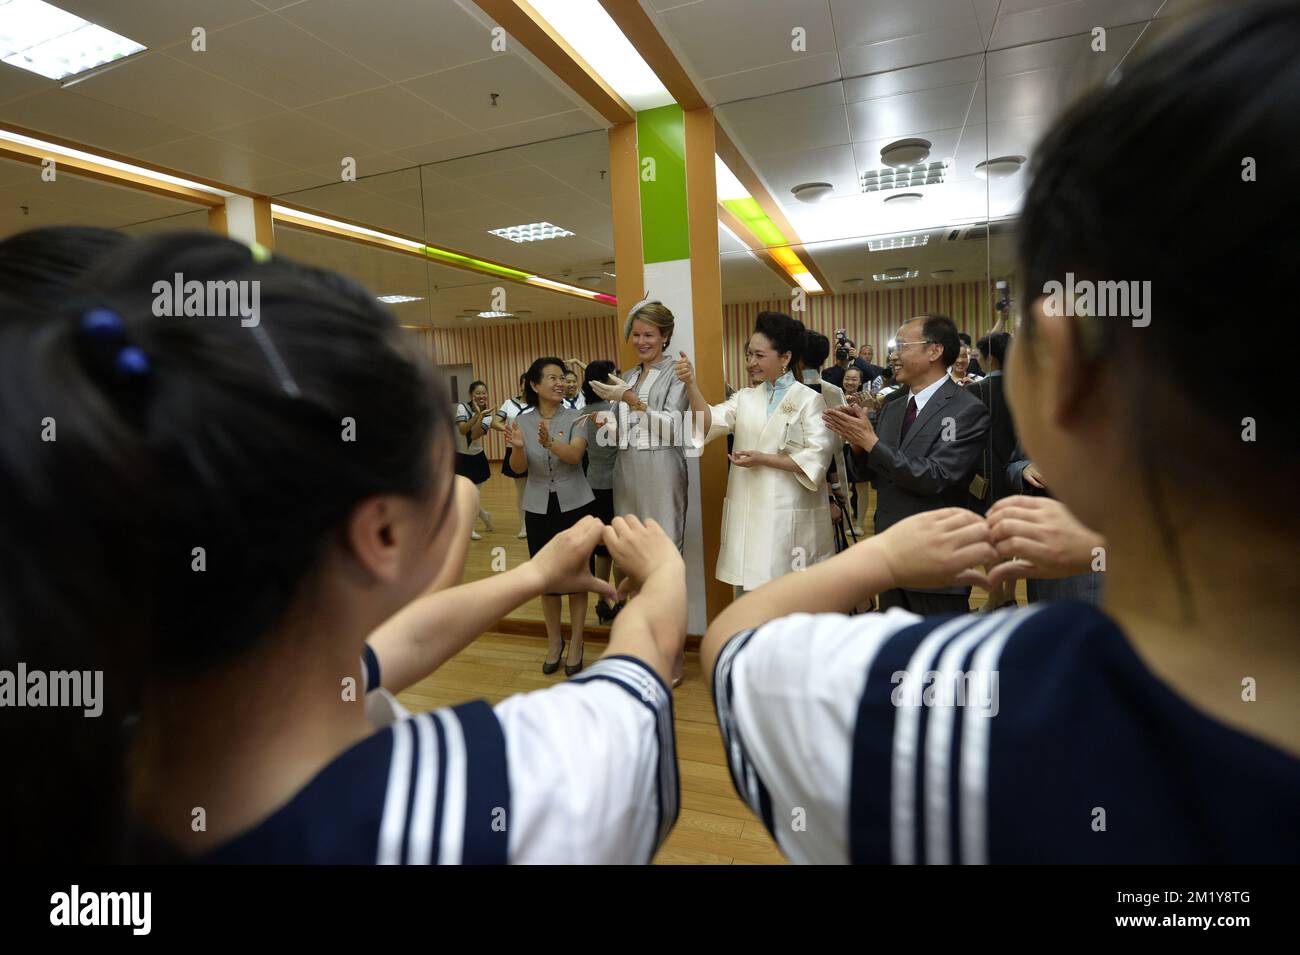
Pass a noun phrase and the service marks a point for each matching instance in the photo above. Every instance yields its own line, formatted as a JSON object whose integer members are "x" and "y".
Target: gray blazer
{"x": 933, "y": 467}
{"x": 547, "y": 474}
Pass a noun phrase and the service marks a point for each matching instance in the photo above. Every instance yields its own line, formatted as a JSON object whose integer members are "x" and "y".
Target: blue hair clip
{"x": 105, "y": 328}
{"x": 102, "y": 324}
{"x": 131, "y": 361}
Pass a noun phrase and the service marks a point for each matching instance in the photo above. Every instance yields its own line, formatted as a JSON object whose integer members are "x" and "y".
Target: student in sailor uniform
{"x": 510, "y": 409}
{"x": 253, "y": 743}
{"x": 1159, "y": 728}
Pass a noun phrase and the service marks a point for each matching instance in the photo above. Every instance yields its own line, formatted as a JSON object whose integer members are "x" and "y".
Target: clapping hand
{"x": 515, "y": 436}
{"x": 851, "y": 423}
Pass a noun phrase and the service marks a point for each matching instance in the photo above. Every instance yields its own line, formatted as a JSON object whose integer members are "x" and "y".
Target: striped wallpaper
{"x": 500, "y": 353}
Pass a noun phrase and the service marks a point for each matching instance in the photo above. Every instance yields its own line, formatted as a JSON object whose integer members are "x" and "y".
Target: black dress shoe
{"x": 603, "y": 613}
{"x": 577, "y": 667}
{"x": 548, "y": 667}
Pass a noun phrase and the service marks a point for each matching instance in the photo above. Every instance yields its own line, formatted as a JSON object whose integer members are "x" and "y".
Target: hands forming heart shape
{"x": 1021, "y": 537}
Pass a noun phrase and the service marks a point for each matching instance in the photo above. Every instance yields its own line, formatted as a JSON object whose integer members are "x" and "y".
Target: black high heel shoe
{"x": 548, "y": 667}
{"x": 576, "y": 668}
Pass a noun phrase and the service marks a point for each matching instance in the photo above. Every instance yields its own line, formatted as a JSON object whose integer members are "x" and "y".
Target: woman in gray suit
{"x": 548, "y": 441}
{"x": 650, "y": 403}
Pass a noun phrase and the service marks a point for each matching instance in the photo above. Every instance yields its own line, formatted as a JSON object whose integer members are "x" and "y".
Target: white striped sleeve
{"x": 787, "y": 696}
{"x": 593, "y": 766}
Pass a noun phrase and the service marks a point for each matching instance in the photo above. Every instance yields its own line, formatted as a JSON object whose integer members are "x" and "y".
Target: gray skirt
{"x": 652, "y": 485}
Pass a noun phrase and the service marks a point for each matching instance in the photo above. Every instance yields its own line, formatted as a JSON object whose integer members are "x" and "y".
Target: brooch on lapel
{"x": 788, "y": 406}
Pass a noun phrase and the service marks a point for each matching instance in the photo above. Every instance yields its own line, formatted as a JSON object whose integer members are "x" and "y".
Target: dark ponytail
{"x": 249, "y": 447}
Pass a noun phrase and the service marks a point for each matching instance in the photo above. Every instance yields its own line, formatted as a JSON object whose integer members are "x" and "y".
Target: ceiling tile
{"x": 465, "y": 92}
{"x": 443, "y": 149}
{"x": 962, "y": 69}
{"x": 272, "y": 58}
{"x": 812, "y": 129}
{"x": 729, "y": 36}
{"x": 788, "y": 75}
{"x": 295, "y": 139}
{"x": 908, "y": 114}
{"x": 176, "y": 93}
{"x": 386, "y": 118}
{"x": 1030, "y": 21}
{"x": 15, "y": 83}
{"x": 65, "y": 113}
{"x": 398, "y": 38}
{"x": 206, "y": 157}
{"x": 939, "y": 44}
{"x": 160, "y": 23}
{"x": 536, "y": 130}
{"x": 860, "y": 22}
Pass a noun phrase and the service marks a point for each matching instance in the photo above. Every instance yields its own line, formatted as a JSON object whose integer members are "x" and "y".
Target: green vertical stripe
{"x": 660, "y": 136}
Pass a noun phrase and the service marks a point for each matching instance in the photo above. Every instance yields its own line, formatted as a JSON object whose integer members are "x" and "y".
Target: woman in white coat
{"x": 776, "y": 516}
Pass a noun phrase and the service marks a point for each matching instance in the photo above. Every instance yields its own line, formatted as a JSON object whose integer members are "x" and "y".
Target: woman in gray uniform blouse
{"x": 650, "y": 403}
{"x": 548, "y": 440}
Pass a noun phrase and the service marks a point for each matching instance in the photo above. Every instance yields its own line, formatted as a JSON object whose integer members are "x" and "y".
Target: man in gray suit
{"x": 924, "y": 449}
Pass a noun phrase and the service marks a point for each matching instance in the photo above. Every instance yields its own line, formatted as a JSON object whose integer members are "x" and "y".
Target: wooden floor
{"x": 715, "y": 827}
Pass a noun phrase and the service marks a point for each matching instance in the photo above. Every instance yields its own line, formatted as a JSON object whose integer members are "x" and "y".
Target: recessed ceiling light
{"x": 941, "y": 274}
{"x": 904, "y": 198}
{"x": 590, "y": 279}
{"x": 878, "y": 180}
{"x": 899, "y": 242}
{"x": 399, "y": 299}
{"x": 41, "y": 38}
{"x": 523, "y": 312}
{"x": 906, "y": 152}
{"x": 895, "y": 275}
{"x": 999, "y": 168}
{"x": 812, "y": 191}
{"x": 531, "y": 232}
{"x": 496, "y": 314}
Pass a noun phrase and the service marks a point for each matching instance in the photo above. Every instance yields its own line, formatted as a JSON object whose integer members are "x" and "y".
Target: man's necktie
{"x": 908, "y": 418}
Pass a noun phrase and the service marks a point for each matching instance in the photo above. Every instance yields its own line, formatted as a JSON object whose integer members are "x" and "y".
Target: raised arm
{"x": 432, "y": 629}
{"x": 652, "y": 626}
{"x": 932, "y": 549}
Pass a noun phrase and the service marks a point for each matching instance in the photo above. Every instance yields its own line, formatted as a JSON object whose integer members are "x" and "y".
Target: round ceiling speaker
{"x": 854, "y": 282}
{"x": 523, "y": 313}
{"x": 999, "y": 168}
{"x": 812, "y": 191}
{"x": 904, "y": 199}
{"x": 906, "y": 152}
{"x": 590, "y": 279}
{"x": 941, "y": 274}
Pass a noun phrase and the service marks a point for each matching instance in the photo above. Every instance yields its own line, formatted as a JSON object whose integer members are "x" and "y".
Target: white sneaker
{"x": 487, "y": 522}
{"x": 523, "y": 533}
{"x": 474, "y": 536}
